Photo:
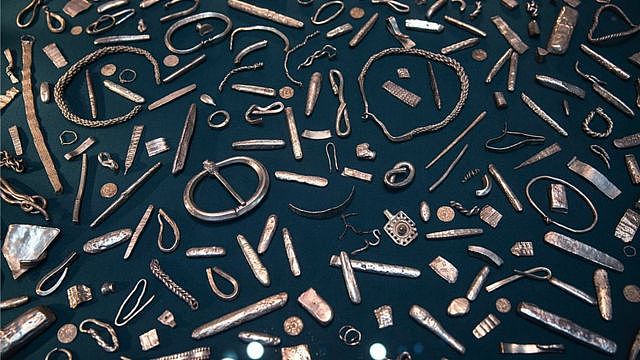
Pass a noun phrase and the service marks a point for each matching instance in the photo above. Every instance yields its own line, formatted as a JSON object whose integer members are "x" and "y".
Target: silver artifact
{"x": 377, "y": 267}
{"x": 485, "y": 254}
{"x": 149, "y": 340}
{"x": 400, "y": 228}
{"x": 194, "y": 18}
{"x": 162, "y": 217}
{"x": 317, "y": 181}
{"x": 454, "y": 234}
{"x": 317, "y": 307}
{"x": 603, "y": 293}
{"x": 185, "y": 140}
{"x": 268, "y": 231}
{"x": 562, "y": 31}
{"x": 522, "y": 248}
{"x": 25, "y": 328}
{"x": 115, "y": 343}
{"x": 106, "y": 241}
{"x": 24, "y": 246}
{"x": 583, "y": 250}
{"x": 294, "y": 266}
{"x": 627, "y": 226}
{"x": 512, "y": 348}
{"x": 257, "y": 267}
{"x": 259, "y": 337}
{"x": 349, "y": 278}
{"x": 120, "y": 320}
{"x": 558, "y": 198}
{"x": 485, "y": 326}
{"x": 424, "y": 318}
{"x": 595, "y": 177}
{"x": 506, "y": 189}
{"x": 511, "y": 36}
{"x": 184, "y": 295}
{"x": 543, "y": 115}
{"x": 444, "y": 269}
{"x": 78, "y": 294}
{"x": 384, "y": 316}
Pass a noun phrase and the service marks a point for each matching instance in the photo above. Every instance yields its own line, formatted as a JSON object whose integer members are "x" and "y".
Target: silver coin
{"x": 108, "y": 190}
{"x": 286, "y": 92}
{"x": 293, "y": 326}
{"x": 631, "y": 293}
{"x": 76, "y": 30}
{"x": 170, "y": 60}
{"x": 445, "y": 213}
{"x": 503, "y": 305}
{"x": 67, "y": 333}
{"x": 108, "y": 70}
{"x": 479, "y": 55}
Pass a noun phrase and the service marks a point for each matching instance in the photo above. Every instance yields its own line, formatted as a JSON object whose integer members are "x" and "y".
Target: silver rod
{"x": 377, "y": 267}
{"x": 185, "y": 69}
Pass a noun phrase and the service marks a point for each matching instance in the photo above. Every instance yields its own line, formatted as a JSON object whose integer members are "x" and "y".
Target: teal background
{"x": 316, "y": 240}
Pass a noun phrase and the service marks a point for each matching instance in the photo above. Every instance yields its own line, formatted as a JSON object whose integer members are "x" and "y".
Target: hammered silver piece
{"x": 522, "y": 248}
{"x": 595, "y": 177}
{"x": 558, "y": 198}
{"x": 78, "y": 294}
{"x": 156, "y": 146}
{"x": 444, "y": 269}
{"x": 583, "y": 250}
{"x": 384, "y": 316}
{"x": 424, "y": 318}
{"x": 486, "y": 326}
{"x": 356, "y": 174}
{"x": 562, "y": 30}
{"x": 490, "y": 216}
{"x": 627, "y": 226}
{"x": 603, "y": 293}
{"x": 149, "y": 340}
{"x": 364, "y": 152}
{"x": 55, "y": 55}
{"x": 402, "y": 94}
{"x": 26, "y": 244}
{"x": 632, "y": 168}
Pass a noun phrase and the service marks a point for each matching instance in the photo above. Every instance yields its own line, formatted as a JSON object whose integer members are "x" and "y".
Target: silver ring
{"x": 244, "y": 206}
{"x": 61, "y": 137}
{"x": 62, "y": 350}
{"x": 314, "y": 18}
{"x": 629, "y": 251}
{"x": 124, "y": 79}
{"x": 352, "y": 340}
{"x": 222, "y": 124}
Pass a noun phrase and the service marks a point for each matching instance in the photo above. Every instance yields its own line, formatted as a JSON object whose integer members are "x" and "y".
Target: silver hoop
{"x": 66, "y": 352}
{"x": 350, "y": 340}
{"x": 73, "y": 134}
{"x": 225, "y": 115}
{"x": 629, "y": 251}
{"x": 123, "y": 79}
{"x": 547, "y": 219}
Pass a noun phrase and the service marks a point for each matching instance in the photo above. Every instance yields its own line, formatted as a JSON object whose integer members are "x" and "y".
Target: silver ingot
{"x": 317, "y": 307}
{"x": 107, "y": 241}
{"x": 24, "y": 329}
{"x": 444, "y": 269}
{"x": 25, "y": 246}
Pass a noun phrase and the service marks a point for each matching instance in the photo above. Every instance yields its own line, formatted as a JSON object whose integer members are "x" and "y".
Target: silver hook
{"x": 53, "y": 17}
{"x": 335, "y": 157}
{"x": 369, "y": 243}
{"x": 31, "y": 7}
{"x": 342, "y": 115}
{"x": 328, "y": 50}
{"x": 591, "y": 78}
{"x": 273, "y": 108}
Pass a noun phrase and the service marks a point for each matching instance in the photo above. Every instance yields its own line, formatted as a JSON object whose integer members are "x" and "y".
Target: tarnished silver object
{"x": 628, "y": 141}
{"x": 458, "y": 307}
{"x": 394, "y": 29}
{"x": 107, "y": 288}
{"x": 342, "y": 124}
{"x": 512, "y": 38}
{"x": 599, "y": 87}
{"x": 587, "y": 122}
{"x": 437, "y": 5}
{"x": 542, "y": 154}
{"x": 522, "y": 248}
{"x": 199, "y": 353}
{"x": 485, "y": 254}
{"x": 317, "y": 307}
{"x": 296, "y": 146}
{"x": 294, "y": 266}
{"x": 583, "y": 250}
{"x": 8, "y": 96}
{"x": 403, "y": 170}
{"x": 454, "y": 233}
{"x": 498, "y": 65}
{"x": 356, "y": 174}
{"x": 465, "y": 26}
{"x": 136, "y": 134}
{"x": 105, "y": 159}
{"x": 138, "y": 231}
{"x": 562, "y": 31}
{"x": 603, "y": 293}
{"x": 500, "y": 100}
{"x": 10, "y": 66}
{"x": 80, "y": 149}
{"x": 45, "y": 92}
{"x": 312, "y": 93}
{"x": 241, "y": 316}
{"x": 24, "y": 246}
{"x": 506, "y": 189}
{"x": 485, "y": 326}
{"x": 63, "y": 265}
{"x": 543, "y": 115}
{"x": 14, "y": 134}
{"x": 450, "y": 168}
{"x": 67, "y": 333}
{"x": 363, "y": 151}
{"x": 328, "y": 51}
{"x": 259, "y": 270}
{"x": 267, "y": 233}
{"x": 460, "y": 45}
{"x": 55, "y": 55}
{"x": 425, "y": 211}
{"x": 444, "y": 269}
{"x": 265, "y": 13}
{"x": 377, "y": 267}
{"x": 509, "y": 4}
{"x": 566, "y": 327}
{"x": 349, "y": 278}
{"x": 627, "y": 226}
{"x": 560, "y": 85}
{"x": 595, "y": 177}
{"x": 149, "y": 340}
{"x": 166, "y": 318}
{"x": 558, "y": 198}
{"x": 384, "y": 316}
{"x": 259, "y": 337}
{"x": 23, "y": 329}
{"x": 402, "y": 94}
{"x": 363, "y": 31}
{"x": 185, "y": 140}
{"x": 315, "y": 18}
{"x": 185, "y": 69}
{"x": 512, "y": 348}
{"x": 400, "y": 228}
{"x": 31, "y": 204}
{"x": 15, "y": 302}
{"x": 423, "y": 25}
{"x": 156, "y": 146}
{"x": 433, "y": 83}
{"x": 486, "y": 186}
{"x": 193, "y": 18}
{"x": 78, "y": 294}
{"x": 424, "y": 318}
{"x": 249, "y": 49}
{"x": 171, "y": 285}
{"x": 490, "y": 216}
{"x": 339, "y": 31}
{"x": 115, "y": 343}
{"x": 632, "y": 168}
{"x": 604, "y": 62}
{"x": 205, "y": 251}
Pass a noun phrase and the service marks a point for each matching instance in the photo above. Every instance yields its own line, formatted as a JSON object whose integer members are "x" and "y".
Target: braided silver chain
{"x": 171, "y": 285}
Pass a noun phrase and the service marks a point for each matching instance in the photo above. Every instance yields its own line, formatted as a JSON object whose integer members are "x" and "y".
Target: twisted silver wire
{"x": 171, "y": 285}
{"x": 463, "y": 210}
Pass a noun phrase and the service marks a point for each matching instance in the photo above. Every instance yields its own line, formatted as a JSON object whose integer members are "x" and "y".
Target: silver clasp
{"x": 256, "y": 110}
{"x": 244, "y": 206}
{"x": 195, "y": 18}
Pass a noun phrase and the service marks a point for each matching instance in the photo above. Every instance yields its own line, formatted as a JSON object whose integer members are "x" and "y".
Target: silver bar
{"x": 595, "y": 177}
{"x": 498, "y": 65}
{"x": 171, "y": 97}
{"x": 259, "y": 337}
{"x": 267, "y": 233}
{"x": 14, "y": 134}
{"x": 14, "y": 302}
{"x": 572, "y": 290}
{"x": 465, "y": 26}
{"x": 296, "y": 146}
{"x": 156, "y": 146}
{"x": 312, "y": 93}
{"x": 25, "y": 328}
{"x": 349, "y": 278}
{"x": 566, "y": 327}
{"x": 241, "y": 316}
{"x": 583, "y": 250}
{"x": 437, "y": 5}
{"x": 454, "y": 234}
{"x": 506, "y": 189}
{"x": 560, "y": 85}
{"x": 364, "y": 30}
{"x": 115, "y": 39}
{"x": 110, "y": 5}
{"x": 318, "y": 181}
{"x": 603, "y": 293}
{"x": 185, "y": 140}
{"x": 402, "y": 94}
{"x": 511, "y": 36}
{"x": 457, "y": 139}
{"x": 423, "y": 25}
{"x": 627, "y": 226}
{"x": 106, "y": 241}
{"x": 511, "y": 348}
{"x": 513, "y": 72}
{"x": 544, "y": 153}
{"x": 446, "y": 173}
{"x": 485, "y": 254}
{"x": 205, "y": 252}
{"x": 316, "y": 134}
{"x": 339, "y": 31}
{"x": 605, "y": 63}
{"x": 91, "y": 93}
{"x": 258, "y": 144}
{"x": 294, "y": 266}
{"x": 543, "y": 115}
{"x": 460, "y": 45}
{"x": 138, "y": 231}
{"x": 477, "y": 283}
{"x": 80, "y": 149}
{"x": 424, "y": 318}
{"x": 377, "y": 267}
{"x": 259, "y": 270}
{"x": 185, "y": 69}
{"x": 558, "y": 198}
{"x": 53, "y": 53}
{"x": 136, "y": 134}
{"x": 265, "y": 13}
{"x": 562, "y": 31}
{"x": 356, "y": 174}
{"x": 123, "y": 91}
{"x": 628, "y": 141}
{"x": 632, "y": 168}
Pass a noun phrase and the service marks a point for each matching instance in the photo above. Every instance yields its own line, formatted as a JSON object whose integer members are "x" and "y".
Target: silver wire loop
{"x": 162, "y": 215}
{"x": 66, "y": 352}
{"x": 52, "y": 19}
{"x": 108, "y": 21}
{"x": 63, "y": 137}
{"x": 32, "y": 204}
{"x": 63, "y": 265}
{"x": 193, "y": 18}
{"x": 137, "y": 308}
{"x": 32, "y": 8}
{"x": 122, "y": 77}
{"x": 403, "y": 168}
{"x": 256, "y": 110}
{"x": 340, "y": 8}
{"x": 225, "y": 119}
{"x": 115, "y": 343}
{"x": 226, "y": 276}
{"x": 350, "y": 335}
{"x": 335, "y": 156}
{"x": 342, "y": 124}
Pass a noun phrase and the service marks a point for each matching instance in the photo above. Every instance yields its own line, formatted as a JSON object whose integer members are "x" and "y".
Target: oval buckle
{"x": 244, "y": 206}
